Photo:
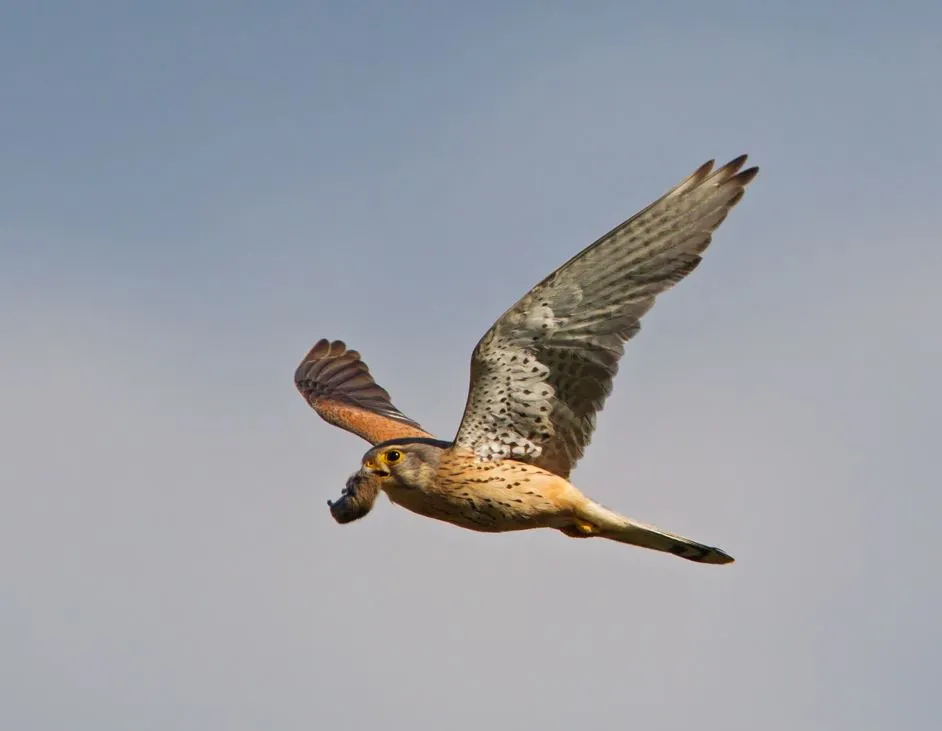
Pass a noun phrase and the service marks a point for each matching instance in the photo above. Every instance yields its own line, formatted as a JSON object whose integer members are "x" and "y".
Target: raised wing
{"x": 339, "y": 387}
{"x": 543, "y": 371}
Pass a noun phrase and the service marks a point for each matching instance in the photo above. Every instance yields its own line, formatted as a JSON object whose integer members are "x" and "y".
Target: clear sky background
{"x": 192, "y": 193}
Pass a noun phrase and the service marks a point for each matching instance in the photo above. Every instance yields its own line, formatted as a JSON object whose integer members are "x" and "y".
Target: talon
{"x": 581, "y": 529}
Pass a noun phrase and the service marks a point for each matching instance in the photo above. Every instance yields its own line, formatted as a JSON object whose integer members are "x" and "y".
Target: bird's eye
{"x": 393, "y": 455}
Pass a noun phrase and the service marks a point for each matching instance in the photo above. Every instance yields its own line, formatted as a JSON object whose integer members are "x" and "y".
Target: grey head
{"x": 404, "y": 463}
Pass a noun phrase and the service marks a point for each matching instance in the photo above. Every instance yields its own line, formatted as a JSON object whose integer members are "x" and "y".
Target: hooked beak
{"x": 372, "y": 466}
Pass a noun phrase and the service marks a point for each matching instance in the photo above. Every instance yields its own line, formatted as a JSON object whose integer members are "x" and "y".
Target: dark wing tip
{"x": 718, "y": 556}
{"x": 325, "y": 348}
{"x": 331, "y": 373}
{"x": 744, "y": 177}
{"x": 730, "y": 172}
{"x": 740, "y": 181}
{"x": 730, "y": 177}
{"x": 329, "y": 365}
{"x": 704, "y": 170}
{"x": 700, "y": 553}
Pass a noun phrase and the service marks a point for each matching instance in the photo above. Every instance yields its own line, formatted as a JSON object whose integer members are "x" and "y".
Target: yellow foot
{"x": 581, "y": 529}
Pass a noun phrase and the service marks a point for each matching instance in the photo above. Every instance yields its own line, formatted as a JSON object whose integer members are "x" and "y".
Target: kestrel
{"x": 539, "y": 376}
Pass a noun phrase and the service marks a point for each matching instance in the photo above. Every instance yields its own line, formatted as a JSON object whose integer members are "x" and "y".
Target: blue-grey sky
{"x": 192, "y": 193}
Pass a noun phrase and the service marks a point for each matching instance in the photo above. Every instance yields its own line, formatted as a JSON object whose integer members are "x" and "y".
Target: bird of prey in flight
{"x": 539, "y": 376}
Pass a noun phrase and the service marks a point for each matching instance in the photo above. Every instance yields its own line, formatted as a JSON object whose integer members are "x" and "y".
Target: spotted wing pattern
{"x": 543, "y": 371}
{"x": 339, "y": 387}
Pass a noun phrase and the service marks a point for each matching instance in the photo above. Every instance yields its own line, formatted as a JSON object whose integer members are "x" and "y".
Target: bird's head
{"x": 404, "y": 463}
{"x": 410, "y": 462}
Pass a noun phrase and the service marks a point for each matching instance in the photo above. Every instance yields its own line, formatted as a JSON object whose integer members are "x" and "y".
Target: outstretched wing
{"x": 543, "y": 371}
{"x": 339, "y": 387}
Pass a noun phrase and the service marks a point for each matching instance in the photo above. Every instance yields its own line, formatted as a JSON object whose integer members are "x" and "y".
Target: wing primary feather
{"x": 338, "y": 385}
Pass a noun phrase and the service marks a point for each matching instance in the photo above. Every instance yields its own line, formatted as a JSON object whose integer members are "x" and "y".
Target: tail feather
{"x": 616, "y": 527}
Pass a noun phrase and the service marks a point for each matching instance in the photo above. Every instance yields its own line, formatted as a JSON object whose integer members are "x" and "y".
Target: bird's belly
{"x": 482, "y": 507}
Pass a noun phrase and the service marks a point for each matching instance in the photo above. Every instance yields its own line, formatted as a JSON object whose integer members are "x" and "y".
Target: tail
{"x": 607, "y": 524}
